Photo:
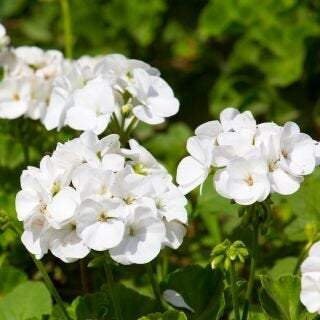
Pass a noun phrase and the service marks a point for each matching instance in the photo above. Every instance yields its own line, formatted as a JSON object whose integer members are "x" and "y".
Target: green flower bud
{"x": 226, "y": 253}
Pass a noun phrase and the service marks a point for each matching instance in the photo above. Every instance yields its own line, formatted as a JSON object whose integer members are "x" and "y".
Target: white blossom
{"x": 310, "y": 281}
{"x": 255, "y": 160}
{"x": 91, "y": 194}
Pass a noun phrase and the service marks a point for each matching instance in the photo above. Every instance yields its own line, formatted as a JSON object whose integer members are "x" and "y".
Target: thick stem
{"x": 50, "y": 286}
{"x": 68, "y": 40}
{"x": 84, "y": 276}
{"x": 154, "y": 284}
{"x": 255, "y": 238}
{"x": 110, "y": 284}
{"x": 234, "y": 292}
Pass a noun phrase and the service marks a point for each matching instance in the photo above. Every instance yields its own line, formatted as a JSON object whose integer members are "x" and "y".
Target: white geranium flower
{"x": 297, "y": 150}
{"x": 142, "y": 161}
{"x": 15, "y": 96}
{"x": 36, "y": 234}
{"x": 193, "y": 170}
{"x": 101, "y": 224}
{"x": 155, "y": 100}
{"x": 232, "y": 120}
{"x": 142, "y": 239}
{"x": 4, "y": 39}
{"x": 132, "y": 188}
{"x": 244, "y": 180}
{"x": 310, "y": 281}
{"x": 175, "y": 232}
{"x": 103, "y": 153}
{"x": 118, "y": 70}
{"x": 92, "y": 107}
{"x": 64, "y": 88}
{"x": 93, "y": 183}
{"x": 170, "y": 201}
{"x": 66, "y": 245}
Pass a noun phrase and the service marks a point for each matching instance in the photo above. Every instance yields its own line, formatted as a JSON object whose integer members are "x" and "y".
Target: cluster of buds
{"x": 227, "y": 253}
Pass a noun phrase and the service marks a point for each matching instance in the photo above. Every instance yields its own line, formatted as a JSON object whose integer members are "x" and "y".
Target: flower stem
{"x": 255, "y": 238}
{"x": 110, "y": 284}
{"x": 68, "y": 40}
{"x": 234, "y": 291}
{"x": 154, "y": 284}
{"x": 84, "y": 276}
{"x": 50, "y": 286}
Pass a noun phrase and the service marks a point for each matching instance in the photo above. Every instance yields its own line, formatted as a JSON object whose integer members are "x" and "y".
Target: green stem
{"x": 110, "y": 284}
{"x": 154, "y": 284}
{"x": 68, "y": 40}
{"x": 234, "y": 292}
{"x": 50, "y": 286}
{"x": 84, "y": 276}
{"x": 252, "y": 272}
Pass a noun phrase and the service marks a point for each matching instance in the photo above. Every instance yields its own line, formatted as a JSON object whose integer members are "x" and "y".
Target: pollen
{"x": 16, "y": 97}
{"x": 103, "y": 217}
{"x": 249, "y": 181}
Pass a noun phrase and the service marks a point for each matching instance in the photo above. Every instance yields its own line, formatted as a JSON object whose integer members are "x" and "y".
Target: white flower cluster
{"x": 310, "y": 281}
{"x": 88, "y": 95}
{"x": 83, "y": 94}
{"x": 29, "y": 73}
{"x": 93, "y": 194}
{"x": 252, "y": 160}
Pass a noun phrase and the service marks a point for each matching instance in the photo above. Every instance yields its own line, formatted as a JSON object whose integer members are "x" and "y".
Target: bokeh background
{"x": 261, "y": 55}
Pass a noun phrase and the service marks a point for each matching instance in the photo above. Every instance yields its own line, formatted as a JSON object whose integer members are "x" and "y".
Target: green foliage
{"x": 250, "y": 54}
{"x": 29, "y": 300}
{"x": 169, "y": 315}
{"x": 202, "y": 290}
{"x": 280, "y": 298}
{"x": 10, "y": 277}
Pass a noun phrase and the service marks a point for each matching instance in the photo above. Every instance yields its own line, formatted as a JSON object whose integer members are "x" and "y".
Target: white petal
{"x": 176, "y": 299}
{"x": 190, "y": 174}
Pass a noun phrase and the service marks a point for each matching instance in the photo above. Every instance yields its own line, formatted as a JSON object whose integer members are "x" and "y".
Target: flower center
{"x": 43, "y": 208}
{"x": 285, "y": 153}
{"x": 249, "y": 181}
{"x": 129, "y": 200}
{"x": 16, "y": 97}
{"x": 139, "y": 168}
{"x": 56, "y": 187}
{"x": 132, "y": 232}
{"x": 272, "y": 165}
{"x": 103, "y": 217}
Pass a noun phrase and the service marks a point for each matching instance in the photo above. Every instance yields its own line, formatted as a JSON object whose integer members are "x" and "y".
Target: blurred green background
{"x": 261, "y": 55}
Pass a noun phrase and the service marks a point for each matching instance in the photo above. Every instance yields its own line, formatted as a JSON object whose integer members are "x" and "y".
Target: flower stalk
{"x": 110, "y": 284}
{"x": 68, "y": 38}
{"x": 234, "y": 291}
{"x": 154, "y": 284}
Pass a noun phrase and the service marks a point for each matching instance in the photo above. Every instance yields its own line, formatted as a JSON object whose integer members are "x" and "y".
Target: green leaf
{"x": 280, "y": 299}
{"x": 10, "y": 277}
{"x": 99, "y": 305}
{"x": 169, "y": 315}
{"x": 29, "y": 300}
{"x": 201, "y": 288}
{"x": 92, "y": 306}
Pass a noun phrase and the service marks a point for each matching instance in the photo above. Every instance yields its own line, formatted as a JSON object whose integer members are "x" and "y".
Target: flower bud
{"x": 226, "y": 253}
